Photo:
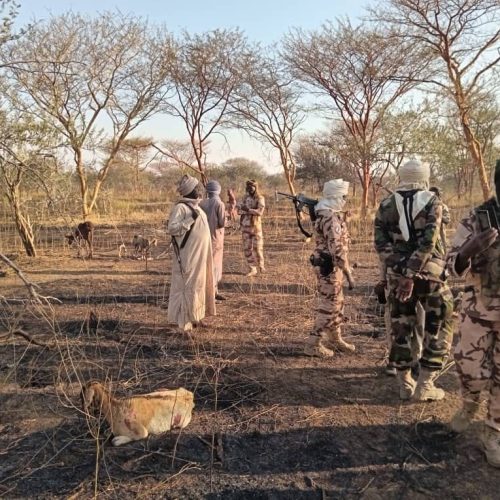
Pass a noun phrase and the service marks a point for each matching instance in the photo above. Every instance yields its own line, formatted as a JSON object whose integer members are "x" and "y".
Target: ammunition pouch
{"x": 324, "y": 262}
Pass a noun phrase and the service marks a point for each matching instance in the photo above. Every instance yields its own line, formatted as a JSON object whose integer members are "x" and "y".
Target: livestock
{"x": 142, "y": 246}
{"x": 136, "y": 417}
{"x": 83, "y": 234}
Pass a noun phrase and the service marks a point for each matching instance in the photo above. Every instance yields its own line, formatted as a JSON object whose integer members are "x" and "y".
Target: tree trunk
{"x": 23, "y": 228}
{"x": 476, "y": 154}
{"x": 366, "y": 190}
{"x": 473, "y": 145}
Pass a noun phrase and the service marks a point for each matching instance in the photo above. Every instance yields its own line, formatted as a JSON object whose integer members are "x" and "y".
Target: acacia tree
{"x": 360, "y": 70}
{"x": 267, "y": 106}
{"x": 135, "y": 154}
{"x": 317, "y": 161}
{"x": 95, "y": 80}
{"x": 463, "y": 39}
{"x": 205, "y": 74}
{"x": 25, "y": 144}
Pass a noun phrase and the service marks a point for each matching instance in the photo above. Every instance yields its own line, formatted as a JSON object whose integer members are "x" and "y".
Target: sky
{"x": 263, "y": 21}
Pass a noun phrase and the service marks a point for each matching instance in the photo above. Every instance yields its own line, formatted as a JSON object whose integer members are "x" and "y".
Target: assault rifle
{"x": 302, "y": 202}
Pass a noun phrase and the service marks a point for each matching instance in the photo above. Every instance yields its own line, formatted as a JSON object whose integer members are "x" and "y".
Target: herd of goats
{"x": 83, "y": 237}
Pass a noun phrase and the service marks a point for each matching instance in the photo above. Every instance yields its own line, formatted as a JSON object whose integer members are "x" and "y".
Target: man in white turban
{"x": 192, "y": 290}
{"x": 215, "y": 210}
{"x": 407, "y": 239}
{"x": 331, "y": 263}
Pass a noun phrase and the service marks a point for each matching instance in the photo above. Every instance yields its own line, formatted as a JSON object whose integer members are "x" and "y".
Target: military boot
{"x": 406, "y": 384}
{"x": 463, "y": 418}
{"x": 262, "y": 269}
{"x": 491, "y": 443}
{"x": 426, "y": 390}
{"x": 252, "y": 272}
{"x": 337, "y": 342}
{"x": 315, "y": 347}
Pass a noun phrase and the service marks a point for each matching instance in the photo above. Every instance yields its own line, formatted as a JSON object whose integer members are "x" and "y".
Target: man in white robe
{"x": 192, "y": 290}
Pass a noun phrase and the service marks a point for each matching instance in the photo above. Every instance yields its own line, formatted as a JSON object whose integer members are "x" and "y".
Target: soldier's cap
{"x": 252, "y": 183}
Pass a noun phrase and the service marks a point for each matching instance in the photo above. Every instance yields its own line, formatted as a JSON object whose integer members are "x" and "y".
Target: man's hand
{"x": 379, "y": 290}
{"x": 478, "y": 243}
{"x": 473, "y": 247}
{"x": 404, "y": 289}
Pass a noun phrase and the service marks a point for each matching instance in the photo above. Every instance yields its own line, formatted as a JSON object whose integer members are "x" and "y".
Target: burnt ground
{"x": 268, "y": 422}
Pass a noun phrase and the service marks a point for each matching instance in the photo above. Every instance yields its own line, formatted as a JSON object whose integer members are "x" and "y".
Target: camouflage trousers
{"x": 330, "y": 308}
{"x": 417, "y": 339}
{"x": 437, "y": 302}
{"x": 253, "y": 247}
{"x": 477, "y": 357}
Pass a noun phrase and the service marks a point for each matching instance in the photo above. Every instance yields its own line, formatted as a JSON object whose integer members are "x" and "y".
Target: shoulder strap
{"x": 195, "y": 215}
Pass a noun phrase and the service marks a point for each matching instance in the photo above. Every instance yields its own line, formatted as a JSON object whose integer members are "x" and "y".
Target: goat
{"x": 142, "y": 246}
{"x": 136, "y": 417}
{"x": 83, "y": 233}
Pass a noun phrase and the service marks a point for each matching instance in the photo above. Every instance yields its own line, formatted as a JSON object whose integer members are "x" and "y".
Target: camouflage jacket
{"x": 253, "y": 217}
{"x": 423, "y": 255}
{"x": 332, "y": 237}
{"x": 482, "y": 294}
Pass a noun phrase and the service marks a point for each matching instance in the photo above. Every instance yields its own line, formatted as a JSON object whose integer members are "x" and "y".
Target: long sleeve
{"x": 261, "y": 205}
{"x": 180, "y": 220}
{"x": 338, "y": 243}
{"x": 383, "y": 241}
{"x": 464, "y": 231}
{"x": 221, "y": 215}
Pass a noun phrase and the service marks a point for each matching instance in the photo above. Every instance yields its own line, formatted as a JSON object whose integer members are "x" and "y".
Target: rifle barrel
{"x": 287, "y": 195}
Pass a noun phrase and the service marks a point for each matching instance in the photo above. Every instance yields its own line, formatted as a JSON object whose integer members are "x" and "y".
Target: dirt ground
{"x": 269, "y": 422}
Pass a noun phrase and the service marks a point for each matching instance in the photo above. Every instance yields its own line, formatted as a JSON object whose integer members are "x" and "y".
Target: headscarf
{"x": 186, "y": 185}
{"x": 213, "y": 189}
{"x": 334, "y": 192}
{"x": 412, "y": 176}
{"x": 253, "y": 183}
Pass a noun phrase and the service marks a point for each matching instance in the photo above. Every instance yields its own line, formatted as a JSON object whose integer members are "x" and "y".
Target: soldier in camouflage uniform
{"x": 251, "y": 210}
{"x": 382, "y": 291}
{"x": 475, "y": 253}
{"x": 407, "y": 239}
{"x": 331, "y": 264}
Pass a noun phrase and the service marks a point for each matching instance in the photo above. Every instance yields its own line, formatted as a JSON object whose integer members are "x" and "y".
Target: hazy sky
{"x": 262, "y": 20}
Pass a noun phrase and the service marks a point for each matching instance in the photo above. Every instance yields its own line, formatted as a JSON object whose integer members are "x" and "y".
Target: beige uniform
{"x": 477, "y": 354}
{"x": 332, "y": 238}
{"x": 251, "y": 229}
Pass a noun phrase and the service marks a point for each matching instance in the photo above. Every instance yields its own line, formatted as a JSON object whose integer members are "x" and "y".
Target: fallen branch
{"x": 26, "y": 336}
{"x": 29, "y": 284}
